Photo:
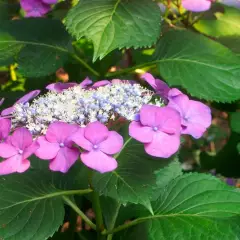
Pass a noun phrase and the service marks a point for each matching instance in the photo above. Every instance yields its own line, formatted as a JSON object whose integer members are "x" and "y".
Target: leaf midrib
{"x": 110, "y": 19}
{"x": 37, "y": 44}
{"x": 49, "y": 195}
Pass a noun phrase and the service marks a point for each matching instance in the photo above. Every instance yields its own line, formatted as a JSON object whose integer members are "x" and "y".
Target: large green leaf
{"x": 112, "y": 24}
{"x": 31, "y": 206}
{"x": 225, "y": 24}
{"x": 205, "y": 68}
{"x": 38, "y": 45}
{"x": 193, "y": 206}
{"x": 165, "y": 175}
{"x": 134, "y": 178}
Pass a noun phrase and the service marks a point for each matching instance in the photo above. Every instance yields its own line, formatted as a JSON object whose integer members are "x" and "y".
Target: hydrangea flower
{"x": 197, "y": 5}
{"x": 159, "y": 129}
{"x": 80, "y": 106}
{"x": 99, "y": 144}
{"x": 195, "y": 116}
{"x": 22, "y": 100}
{"x": 36, "y": 8}
{"x": 16, "y": 150}
{"x": 160, "y": 87}
{"x": 57, "y": 146}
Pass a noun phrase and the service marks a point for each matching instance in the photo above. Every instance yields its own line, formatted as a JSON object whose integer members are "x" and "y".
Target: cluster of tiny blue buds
{"x": 79, "y": 106}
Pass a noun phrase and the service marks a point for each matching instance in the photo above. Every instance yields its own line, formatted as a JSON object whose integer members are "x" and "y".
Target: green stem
{"x": 79, "y": 212}
{"x": 124, "y": 226}
{"x": 110, "y": 236}
{"x": 81, "y": 236}
{"x": 96, "y": 206}
{"x": 78, "y": 59}
{"x": 131, "y": 69}
{"x": 97, "y": 211}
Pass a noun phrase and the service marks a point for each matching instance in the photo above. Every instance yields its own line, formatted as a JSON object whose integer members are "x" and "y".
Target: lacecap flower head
{"x": 72, "y": 121}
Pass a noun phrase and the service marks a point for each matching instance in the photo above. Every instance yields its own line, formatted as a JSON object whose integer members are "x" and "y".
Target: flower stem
{"x": 98, "y": 211}
{"x": 96, "y": 206}
{"x": 110, "y": 236}
{"x": 79, "y": 212}
{"x": 81, "y": 61}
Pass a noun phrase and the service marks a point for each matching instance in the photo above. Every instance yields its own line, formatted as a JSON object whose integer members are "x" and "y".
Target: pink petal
{"x": 35, "y": 8}
{"x": 21, "y": 138}
{"x": 23, "y": 99}
{"x": 99, "y": 161}
{"x": 25, "y": 164}
{"x": 180, "y": 103}
{"x": 60, "y": 132}
{"x": 5, "y": 127}
{"x": 86, "y": 82}
{"x": 31, "y": 149}
{"x": 46, "y": 149}
{"x": 158, "y": 85}
{"x": 118, "y": 81}
{"x": 163, "y": 145}
{"x": 96, "y": 132}
{"x": 28, "y": 96}
{"x": 196, "y": 5}
{"x": 50, "y": 1}
{"x": 141, "y": 133}
{"x": 14, "y": 164}
{"x": 195, "y": 130}
{"x": 148, "y": 115}
{"x": 1, "y": 101}
{"x": 197, "y": 119}
{"x": 7, "y": 111}
{"x": 199, "y": 113}
{"x": 59, "y": 87}
{"x": 164, "y": 118}
{"x": 65, "y": 158}
{"x": 101, "y": 84}
{"x": 169, "y": 120}
{"x": 7, "y": 150}
{"x": 174, "y": 92}
{"x": 80, "y": 140}
{"x": 112, "y": 144}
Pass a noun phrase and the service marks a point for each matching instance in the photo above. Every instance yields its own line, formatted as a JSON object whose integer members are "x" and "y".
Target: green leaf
{"x": 225, "y": 24}
{"x": 33, "y": 44}
{"x": 193, "y": 206}
{"x": 134, "y": 178}
{"x": 235, "y": 121}
{"x": 165, "y": 175}
{"x": 31, "y": 206}
{"x": 196, "y": 62}
{"x": 110, "y": 210}
{"x": 112, "y": 24}
{"x": 232, "y": 42}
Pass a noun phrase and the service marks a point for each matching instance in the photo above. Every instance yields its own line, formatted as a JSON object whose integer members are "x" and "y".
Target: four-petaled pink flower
{"x": 160, "y": 87}
{"x": 16, "y": 150}
{"x": 195, "y": 116}
{"x": 159, "y": 130}
{"x": 99, "y": 144}
{"x": 23, "y": 100}
{"x": 57, "y": 146}
{"x": 197, "y": 5}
